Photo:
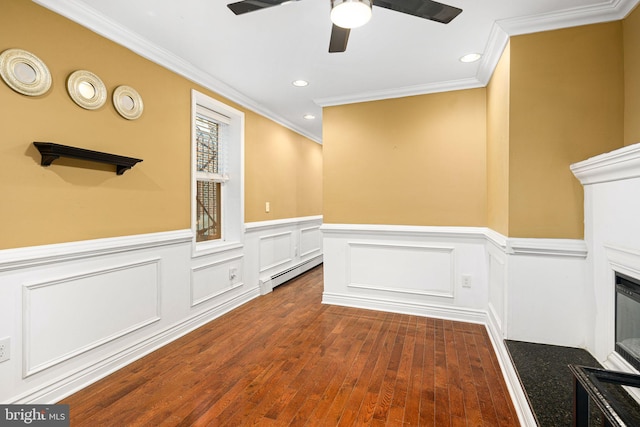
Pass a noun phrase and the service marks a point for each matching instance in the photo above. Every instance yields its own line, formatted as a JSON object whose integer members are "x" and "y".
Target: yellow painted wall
{"x": 566, "y": 105}
{"x": 631, "y": 34}
{"x": 309, "y": 178}
{"x": 555, "y": 98}
{"x": 284, "y": 169}
{"x": 412, "y": 161}
{"x": 498, "y": 92}
{"x": 69, "y": 201}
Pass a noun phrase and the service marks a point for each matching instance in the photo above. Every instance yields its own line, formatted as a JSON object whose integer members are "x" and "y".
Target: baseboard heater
{"x": 268, "y": 283}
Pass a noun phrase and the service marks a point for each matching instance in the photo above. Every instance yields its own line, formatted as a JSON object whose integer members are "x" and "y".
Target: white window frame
{"x": 232, "y": 189}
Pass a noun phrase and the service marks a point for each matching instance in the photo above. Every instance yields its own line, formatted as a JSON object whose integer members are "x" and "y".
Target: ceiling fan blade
{"x": 427, "y": 9}
{"x": 339, "y": 39}
{"x": 252, "y": 5}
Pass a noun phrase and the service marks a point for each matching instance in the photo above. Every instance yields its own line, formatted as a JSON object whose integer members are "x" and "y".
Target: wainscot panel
{"x": 276, "y": 250}
{"x": 418, "y": 269}
{"x": 310, "y": 241}
{"x": 547, "y": 299}
{"x": 114, "y": 301}
{"x": 497, "y": 287}
{"x": 214, "y": 279}
{"x": 282, "y": 249}
{"x": 439, "y": 271}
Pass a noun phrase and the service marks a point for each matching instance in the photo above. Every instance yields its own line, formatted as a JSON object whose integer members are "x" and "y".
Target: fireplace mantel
{"x": 611, "y": 183}
{"x": 620, "y": 164}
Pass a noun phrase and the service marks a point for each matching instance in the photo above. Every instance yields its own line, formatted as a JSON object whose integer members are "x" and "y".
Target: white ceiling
{"x": 253, "y": 58}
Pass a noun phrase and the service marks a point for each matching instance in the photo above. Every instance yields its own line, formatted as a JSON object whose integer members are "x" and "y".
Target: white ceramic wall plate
{"x": 24, "y": 72}
{"x": 127, "y": 102}
{"x": 86, "y": 89}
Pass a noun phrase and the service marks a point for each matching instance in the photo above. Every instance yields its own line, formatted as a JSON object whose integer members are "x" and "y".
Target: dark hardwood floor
{"x": 285, "y": 359}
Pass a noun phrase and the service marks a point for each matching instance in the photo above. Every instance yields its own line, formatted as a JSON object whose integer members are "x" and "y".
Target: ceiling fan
{"x": 342, "y": 11}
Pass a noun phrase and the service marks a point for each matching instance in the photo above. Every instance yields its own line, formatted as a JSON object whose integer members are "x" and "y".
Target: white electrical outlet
{"x": 233, "y": 273}
{"x": 466, "y": 280}
{"x": 5, "y": 349}
{"x": 267, "y": 207}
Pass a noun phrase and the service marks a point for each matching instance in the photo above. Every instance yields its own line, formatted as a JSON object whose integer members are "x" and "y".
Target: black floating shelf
{"x": 51, "y": 152}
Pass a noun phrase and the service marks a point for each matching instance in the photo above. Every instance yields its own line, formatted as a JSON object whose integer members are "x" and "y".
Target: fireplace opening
{"x": 628, "y": 319}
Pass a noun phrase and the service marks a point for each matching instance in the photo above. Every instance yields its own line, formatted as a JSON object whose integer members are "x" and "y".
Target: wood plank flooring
{"x": 285, "y": 359}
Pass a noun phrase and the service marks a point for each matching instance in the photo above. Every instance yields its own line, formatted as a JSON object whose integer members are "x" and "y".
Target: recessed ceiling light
{"x": 309, "y": 116}
{"x": 300, "y": 83}
{"x": 471, "y": 57}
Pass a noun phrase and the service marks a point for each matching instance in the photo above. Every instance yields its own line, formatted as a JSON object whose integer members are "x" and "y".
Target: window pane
{"x": 207, "y": 132}
{"x": 207, "y": 211}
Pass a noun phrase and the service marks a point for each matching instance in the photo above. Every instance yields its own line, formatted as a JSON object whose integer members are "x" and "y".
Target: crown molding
{"x": 470, "y": 83}
{"x": 498, "y": 40}
{"x": 616, "y": 165}
{"x": 99, "y": 24}
{"x": 611, "y": 10}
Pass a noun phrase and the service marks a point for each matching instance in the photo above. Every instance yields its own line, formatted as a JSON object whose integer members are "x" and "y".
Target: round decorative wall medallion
{"x": 86, "y": 89}
{"x": 24, "y": 72}
{"x": 127, "y": 102}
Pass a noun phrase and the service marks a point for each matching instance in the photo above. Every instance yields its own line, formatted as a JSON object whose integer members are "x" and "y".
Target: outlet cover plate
{"x": 466, "y": 280}
{"x": 5, "y": 349}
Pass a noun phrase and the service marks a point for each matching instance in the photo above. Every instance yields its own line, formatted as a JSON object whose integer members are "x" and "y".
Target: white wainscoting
{"x": 276, "y": 250}
{"x": 538, "y": 289}
{"x": 213, "y": 279}
{"x": 413, "y": 270}
{"x": 76, "y": 312}
{"x": 115, "y": 301}
{"x": 310, "y": 240}
{"x": 282, "y": 249}
{"x": 547, "y": 295}
{"x": 419, "y": 269}
{"x": 497, "y": 305}
{"x": 537, "y": 293}
{"x": 154, "y": 288}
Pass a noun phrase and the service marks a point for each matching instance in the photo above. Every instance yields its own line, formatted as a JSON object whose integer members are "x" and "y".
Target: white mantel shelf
{"x": 616, "y": 165}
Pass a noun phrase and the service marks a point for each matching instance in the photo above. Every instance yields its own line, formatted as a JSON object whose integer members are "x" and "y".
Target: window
{"x": 210, "y": 174}
{"x": 217, "y": 175}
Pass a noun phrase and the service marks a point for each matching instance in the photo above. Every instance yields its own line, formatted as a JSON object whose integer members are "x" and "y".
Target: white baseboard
{"x": 517, "y": 393}
{"x": 404, "y": 307}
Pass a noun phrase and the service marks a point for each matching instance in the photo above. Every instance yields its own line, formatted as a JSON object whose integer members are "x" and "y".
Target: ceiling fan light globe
{"x": 350, "y": 13}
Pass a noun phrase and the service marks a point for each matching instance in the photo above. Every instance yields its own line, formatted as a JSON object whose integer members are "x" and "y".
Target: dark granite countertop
{"x": 548, "y": 382}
